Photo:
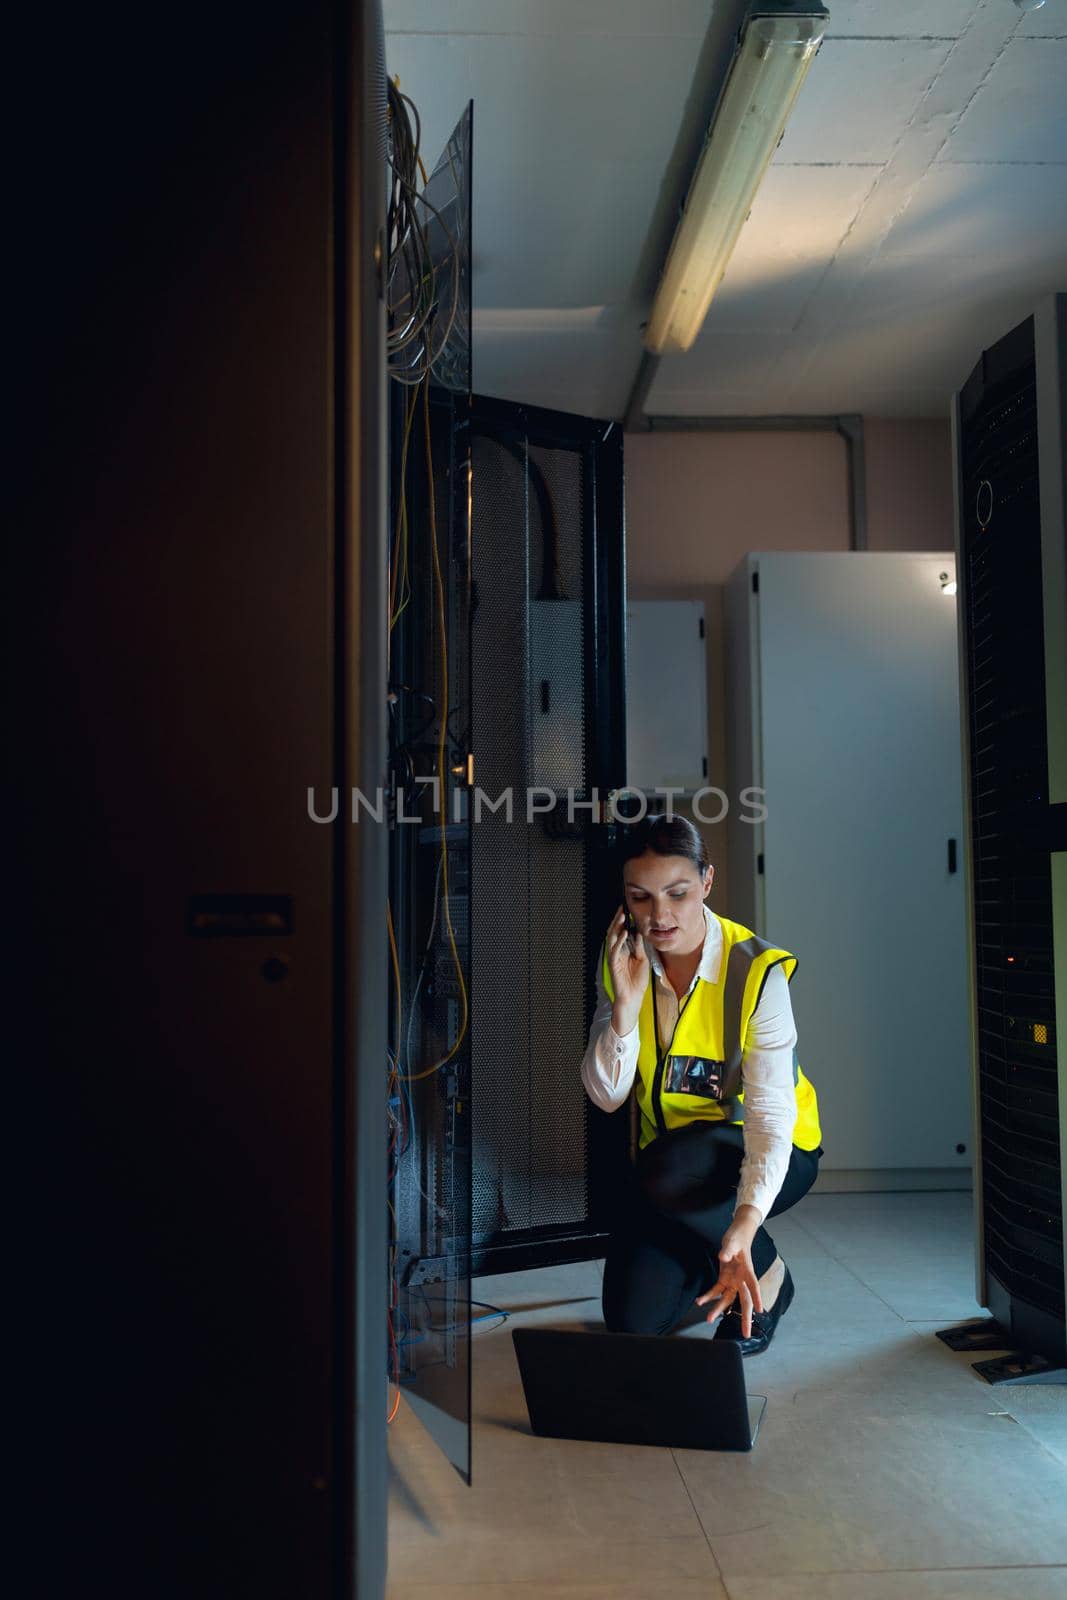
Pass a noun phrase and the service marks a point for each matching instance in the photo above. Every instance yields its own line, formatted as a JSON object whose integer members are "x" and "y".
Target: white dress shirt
{"x": 770, "y": 1107}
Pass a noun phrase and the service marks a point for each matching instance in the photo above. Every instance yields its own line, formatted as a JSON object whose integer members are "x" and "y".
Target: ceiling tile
{"x": 992, "y": 213}
{"x": 1020, "y": 112}
{"x": 1049, "y": 22}
{"x": 797, "y": 221}
{"x": 899, "y": 288}
{"x": 905, "y": 366}
{"x": 859, "y": 97}
{"x": 901, "y": 19}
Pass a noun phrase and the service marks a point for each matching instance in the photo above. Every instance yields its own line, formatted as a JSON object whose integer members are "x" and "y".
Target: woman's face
{"x": 666, "y": 897}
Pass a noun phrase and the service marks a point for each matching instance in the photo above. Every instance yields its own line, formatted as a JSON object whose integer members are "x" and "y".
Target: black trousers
{"x": 675, "y": 1205}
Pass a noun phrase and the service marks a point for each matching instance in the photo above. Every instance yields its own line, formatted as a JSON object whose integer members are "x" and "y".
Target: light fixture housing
{"x": 776, "y": 46}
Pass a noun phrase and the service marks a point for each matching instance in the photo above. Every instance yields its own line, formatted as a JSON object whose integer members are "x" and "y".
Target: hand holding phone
{"x": 629, "y": 966}
{"x": 631, "y": 932}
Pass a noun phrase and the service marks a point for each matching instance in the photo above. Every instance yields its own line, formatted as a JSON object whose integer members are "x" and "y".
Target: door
{"x": 504, "y": 1162}
{"x": 548, "y": 728}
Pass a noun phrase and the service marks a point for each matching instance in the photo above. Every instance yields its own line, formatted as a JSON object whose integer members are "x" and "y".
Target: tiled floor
{"x": 885, "y": 1468}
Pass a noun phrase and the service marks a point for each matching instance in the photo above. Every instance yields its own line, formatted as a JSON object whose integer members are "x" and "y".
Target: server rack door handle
{"x": 952, "y": 855}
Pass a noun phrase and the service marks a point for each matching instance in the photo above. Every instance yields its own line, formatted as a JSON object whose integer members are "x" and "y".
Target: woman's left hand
{"x": 737, "y": 1278}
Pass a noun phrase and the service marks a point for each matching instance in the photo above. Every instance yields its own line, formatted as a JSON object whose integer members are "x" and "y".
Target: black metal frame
{"x": 439, "y": 1386}
{"x": 604, "y": 608}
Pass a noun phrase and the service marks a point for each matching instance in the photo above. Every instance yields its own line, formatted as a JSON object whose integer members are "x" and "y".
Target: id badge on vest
{"x": 694, "y": 1075}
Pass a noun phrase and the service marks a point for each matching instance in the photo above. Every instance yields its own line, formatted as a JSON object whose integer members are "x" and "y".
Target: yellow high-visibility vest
{"x": 708, "y": 1044}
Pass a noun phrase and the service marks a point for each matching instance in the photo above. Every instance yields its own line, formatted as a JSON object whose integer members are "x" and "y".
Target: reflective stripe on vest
{"x": 711, "y": 1027}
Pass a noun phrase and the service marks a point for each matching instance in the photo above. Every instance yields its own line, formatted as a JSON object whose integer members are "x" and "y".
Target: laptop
{"x": 631, "y": 1388}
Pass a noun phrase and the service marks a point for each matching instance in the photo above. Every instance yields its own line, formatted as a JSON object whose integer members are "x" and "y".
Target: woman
{"x": 696, "y": 1009}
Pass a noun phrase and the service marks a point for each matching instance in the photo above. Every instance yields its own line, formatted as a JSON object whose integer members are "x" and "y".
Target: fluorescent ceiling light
{"x": 776, "y": 47}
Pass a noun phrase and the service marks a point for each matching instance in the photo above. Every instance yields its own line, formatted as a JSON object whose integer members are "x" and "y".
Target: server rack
{"x": 1009, "y": 483}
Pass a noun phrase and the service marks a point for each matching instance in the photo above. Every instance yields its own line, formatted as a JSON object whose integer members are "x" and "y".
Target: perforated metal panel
{"x": 1017, "y": 1063}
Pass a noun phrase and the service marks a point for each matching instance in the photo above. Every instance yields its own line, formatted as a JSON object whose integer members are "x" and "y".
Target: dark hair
{"x": 674, "y": 836}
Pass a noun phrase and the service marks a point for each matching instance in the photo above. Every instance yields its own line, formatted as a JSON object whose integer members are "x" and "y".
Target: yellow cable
{"x": 400, "y": 536}
{"x": 396, "y": 971}
{"x": 414, "y": 1077}
{"x": 395, "y": 1074}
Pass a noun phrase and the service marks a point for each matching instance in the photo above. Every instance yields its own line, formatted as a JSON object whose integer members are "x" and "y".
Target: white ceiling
{"x": 915, "y": 210}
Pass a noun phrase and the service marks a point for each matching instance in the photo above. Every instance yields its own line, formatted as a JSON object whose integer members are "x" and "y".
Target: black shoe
{"x": 763, "y": 1322}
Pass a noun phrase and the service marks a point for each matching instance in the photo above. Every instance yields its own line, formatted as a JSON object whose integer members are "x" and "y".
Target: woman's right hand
{"x": 629, "y": 972}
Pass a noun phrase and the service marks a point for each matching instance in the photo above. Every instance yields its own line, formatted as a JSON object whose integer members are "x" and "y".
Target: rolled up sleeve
{"x": 610, "y": 1059}
{"x": 770, "y": 1107}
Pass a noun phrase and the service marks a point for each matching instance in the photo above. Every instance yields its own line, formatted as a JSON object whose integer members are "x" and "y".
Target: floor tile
{"x": 650, "y": 1589}
{"x": 1004, "y": 1583}
{"x": 883, "y": 1469}
{"x": 904, "y": 1472}
{"x": 1041, "y": 1409}
{"x": 915, "y": 1251}
{"x": 524, "y": 1486}
{"x": 546, "y": 1557}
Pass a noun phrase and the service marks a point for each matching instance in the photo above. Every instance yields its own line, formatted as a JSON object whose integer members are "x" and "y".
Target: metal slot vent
{"x": 1011, "y": 875}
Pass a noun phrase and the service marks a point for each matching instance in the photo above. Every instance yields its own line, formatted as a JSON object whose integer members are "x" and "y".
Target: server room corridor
{"x": 538, "y": 750}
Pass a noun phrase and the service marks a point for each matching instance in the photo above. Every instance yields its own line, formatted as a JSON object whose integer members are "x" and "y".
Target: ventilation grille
{"x": 1011, "y": 870}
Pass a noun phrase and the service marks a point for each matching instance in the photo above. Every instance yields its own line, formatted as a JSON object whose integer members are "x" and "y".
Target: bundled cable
{"x": 422, "y": 300}
{"x": 417, "y": 291}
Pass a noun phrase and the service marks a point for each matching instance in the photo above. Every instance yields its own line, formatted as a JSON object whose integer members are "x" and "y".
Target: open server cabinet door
{"x": 547, "y": 727}
{"x": 506, "y": 678}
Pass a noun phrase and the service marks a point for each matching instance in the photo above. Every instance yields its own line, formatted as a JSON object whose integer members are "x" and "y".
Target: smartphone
{"x": 631, "y": 931}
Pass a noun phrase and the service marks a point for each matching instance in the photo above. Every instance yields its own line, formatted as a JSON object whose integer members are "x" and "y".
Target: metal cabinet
{"x": 844, "y": 711}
